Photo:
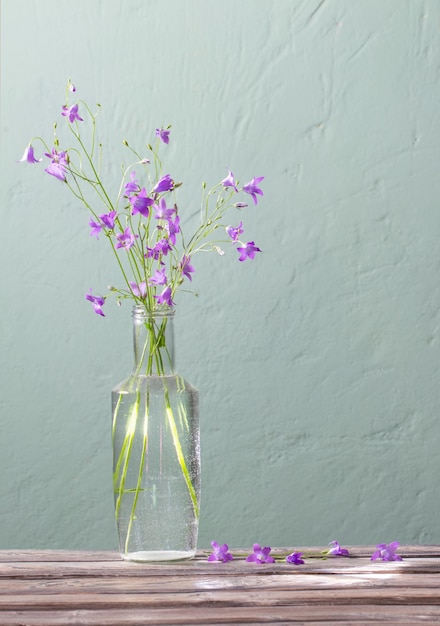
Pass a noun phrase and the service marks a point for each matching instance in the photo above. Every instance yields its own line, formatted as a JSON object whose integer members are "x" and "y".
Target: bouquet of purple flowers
{"x": 142, "y": 223}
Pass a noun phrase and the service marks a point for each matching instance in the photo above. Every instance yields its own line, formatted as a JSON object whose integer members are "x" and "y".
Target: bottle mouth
{"x": 161, "y": 310}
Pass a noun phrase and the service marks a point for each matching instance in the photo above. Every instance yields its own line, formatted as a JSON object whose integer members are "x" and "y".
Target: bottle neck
{"x": 153, "y": 338}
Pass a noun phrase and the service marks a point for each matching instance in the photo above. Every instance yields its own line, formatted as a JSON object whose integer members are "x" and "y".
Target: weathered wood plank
{"x": 344, "y": 566}
{"x": 58, "y": 555}
{"x": 223, "y": 598}
{"x": 191, "y": 583}
{"x": 357, "y": 615}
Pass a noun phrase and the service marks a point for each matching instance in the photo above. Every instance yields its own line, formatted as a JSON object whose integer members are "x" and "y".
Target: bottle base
{"x": 158, "y": 556}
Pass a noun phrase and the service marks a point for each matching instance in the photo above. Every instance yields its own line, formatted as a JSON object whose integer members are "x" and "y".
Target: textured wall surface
{"x": 318, "y": 363}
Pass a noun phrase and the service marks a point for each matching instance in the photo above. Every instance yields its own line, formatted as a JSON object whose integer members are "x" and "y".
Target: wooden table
{"x": 48, "y": 588}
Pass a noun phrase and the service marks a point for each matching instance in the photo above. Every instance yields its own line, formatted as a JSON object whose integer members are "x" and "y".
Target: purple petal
{"x": 229, "y": 181}
{"x": 166, "y": 183}
{"x": 29, "y": 156}
{"x": 163, "y": 134}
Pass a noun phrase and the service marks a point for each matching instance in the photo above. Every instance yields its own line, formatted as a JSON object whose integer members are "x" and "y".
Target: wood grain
{"x": 56, "y": 588}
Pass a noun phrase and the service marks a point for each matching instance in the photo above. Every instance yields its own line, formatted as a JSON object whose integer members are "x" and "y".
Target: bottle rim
{"x": 161, "y": 310}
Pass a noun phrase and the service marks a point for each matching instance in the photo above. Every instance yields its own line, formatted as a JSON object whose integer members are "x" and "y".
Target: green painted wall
{"x": 318, "y": 363}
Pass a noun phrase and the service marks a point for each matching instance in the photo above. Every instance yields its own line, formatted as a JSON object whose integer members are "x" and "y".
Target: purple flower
{"x": 186, "y": 268}
{"x": 97, "y": 301}
{"x": 29, "y": 156}
{"x": 166, "y": 183}
{"x": 252, "y": 188}
{"x": 140, "y": 203}
{"x": 260, "y": 555}
{"x": 71, "y": 113}
{"x": 96, "y": 228}
{"x": 336, "y": 550}
{"x": 220, "y": 553}
{"x": 108, "y": 219}
{"x": 139, "y": 290}
{"x": 125, "y": 239}
{"x": 295, "y": 558}
{"x": 229, "y": 181}
{"x": 387, "y": 552}
{"x": 161, "y": 212}
{"x": 162, "y": 247}
{"x": 248, "y": 252}
{"x": 57, "y": 170}
{"x": 235, "y": 233}
{"x": 165, "y": 297}
{"x": 159, "y": 278}
{"x": 57, "y": 166}
{"x": 132, "y": 186}
{"x": 173, "y": 228}
{"x": 163, "y": 134}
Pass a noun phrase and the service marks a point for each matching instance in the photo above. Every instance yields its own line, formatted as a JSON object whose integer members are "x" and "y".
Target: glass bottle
{"x": 156, "y": 448}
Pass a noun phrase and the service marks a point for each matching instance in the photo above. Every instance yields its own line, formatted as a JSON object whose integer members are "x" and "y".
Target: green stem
{"x": 180, "y": 456}
{"x": 140, "y": 476}
{"x": 129, "y": 437}
{"x": 115, "y": 415}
